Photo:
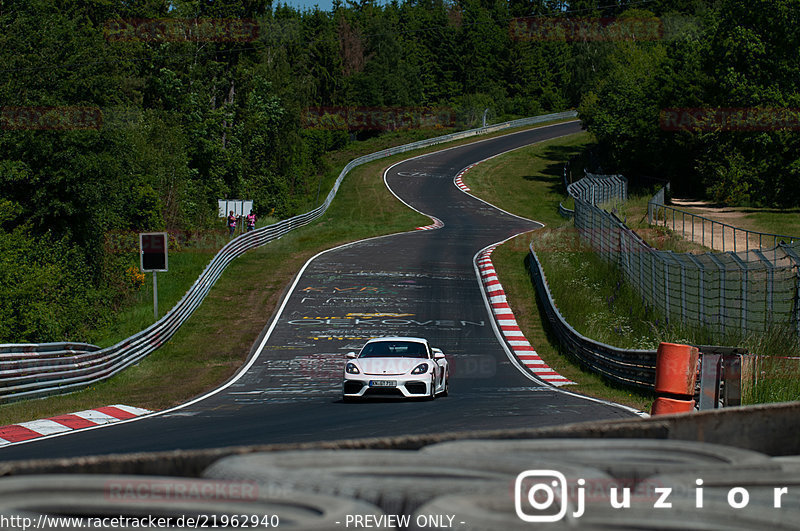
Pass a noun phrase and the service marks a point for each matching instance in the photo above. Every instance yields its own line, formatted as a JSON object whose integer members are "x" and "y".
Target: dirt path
{"x": 720, "y": 238}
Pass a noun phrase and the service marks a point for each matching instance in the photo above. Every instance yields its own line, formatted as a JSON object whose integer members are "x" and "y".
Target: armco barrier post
{"x": 676, "y": 373}
{"x": 726, "y": 374}
{"x": 710, "y": 376}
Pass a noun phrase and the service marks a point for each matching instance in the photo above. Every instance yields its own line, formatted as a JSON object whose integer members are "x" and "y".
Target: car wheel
{"x": 432, "y": 394}
{"x": 446, "y": 385}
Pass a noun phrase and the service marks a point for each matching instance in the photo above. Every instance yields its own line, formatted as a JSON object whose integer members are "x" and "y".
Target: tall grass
{"x": 591, "y": 293}
{"x": 775, "y": 375}
{"x": 773, "y": 380}
{"x": 633, "y": 212}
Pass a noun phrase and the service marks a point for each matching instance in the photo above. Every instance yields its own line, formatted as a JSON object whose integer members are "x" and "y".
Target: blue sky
{"x": 325, "y": 5}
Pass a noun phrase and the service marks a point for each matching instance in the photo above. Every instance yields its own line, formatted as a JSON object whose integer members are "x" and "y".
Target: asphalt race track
{"x": 420, "y": 283}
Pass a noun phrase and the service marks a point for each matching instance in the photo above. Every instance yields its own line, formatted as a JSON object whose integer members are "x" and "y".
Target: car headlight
{"x": 420, "y": 369}
{"x": 351, "y": 368}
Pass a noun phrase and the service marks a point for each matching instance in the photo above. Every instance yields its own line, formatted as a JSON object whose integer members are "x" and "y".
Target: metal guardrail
{"x": 658, "y": 214}
{"x": 565, "y": 212}
{"x": 11, "y": 350}
{"x": 637, "y": 368}
{"x": 627, "y": 367}
{"x": 41, "y": 370}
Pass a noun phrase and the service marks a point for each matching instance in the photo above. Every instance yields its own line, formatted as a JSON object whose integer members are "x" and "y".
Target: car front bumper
{"x": 408, "y": 386}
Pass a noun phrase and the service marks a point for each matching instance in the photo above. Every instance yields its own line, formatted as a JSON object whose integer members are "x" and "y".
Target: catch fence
{"x": 710, "y": 232}
{"x": 745, "y": 291}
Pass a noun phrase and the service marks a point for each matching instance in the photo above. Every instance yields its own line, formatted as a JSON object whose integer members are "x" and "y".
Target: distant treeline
{"x": 138, "y": 116}
{"x": 714, "y": 106}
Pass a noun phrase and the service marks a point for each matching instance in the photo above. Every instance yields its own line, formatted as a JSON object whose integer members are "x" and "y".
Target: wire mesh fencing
{"x": 710, "y": 232}
{"x": 745, "y": 291}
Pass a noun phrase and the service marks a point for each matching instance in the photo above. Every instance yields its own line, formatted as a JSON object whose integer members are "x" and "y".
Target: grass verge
{"x": 208, "y": 349}
{"x": 591, "y": 294}
{"x": 186, "y": 263}
{"x": 509, "y": 262}
{"x": 774, "y": 379}
{"x": 633, "y": 212}
{"x": 528, "y": 182}
{"x": 768, "y": 220}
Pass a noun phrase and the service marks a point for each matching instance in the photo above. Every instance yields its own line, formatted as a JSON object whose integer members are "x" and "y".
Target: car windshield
{"x": 394, "y": 349}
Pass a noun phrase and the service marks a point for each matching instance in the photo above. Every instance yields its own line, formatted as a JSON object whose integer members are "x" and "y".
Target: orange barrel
{"x": 676, "y": 369}
{"x": 667, "y": 406}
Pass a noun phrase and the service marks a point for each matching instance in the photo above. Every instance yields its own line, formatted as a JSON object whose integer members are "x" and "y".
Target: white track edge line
{"x": 513, "y": 359}
{"x": 255, "y": 356}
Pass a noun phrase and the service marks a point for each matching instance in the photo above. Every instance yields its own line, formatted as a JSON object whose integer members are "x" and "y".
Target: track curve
{"x": 419, "y": 283}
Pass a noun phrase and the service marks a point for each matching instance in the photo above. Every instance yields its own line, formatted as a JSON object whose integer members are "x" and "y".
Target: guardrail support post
{"x": 733, "y": 372}
{"x": 155, "y": 295}
{"x": 710, "y": 374}
{"x": 726, "y": 375}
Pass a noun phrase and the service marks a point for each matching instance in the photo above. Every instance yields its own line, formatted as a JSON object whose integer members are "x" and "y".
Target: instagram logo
{"x": 536, "y": 492}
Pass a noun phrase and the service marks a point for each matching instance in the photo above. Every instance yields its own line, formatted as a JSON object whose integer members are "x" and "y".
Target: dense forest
{"x": 737, "y": 64}
{"x": 109, "y": 122}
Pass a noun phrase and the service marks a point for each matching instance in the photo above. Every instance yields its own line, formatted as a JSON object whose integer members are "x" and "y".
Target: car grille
{"x": 384, "y": 391}
{"x": 416, "y": 388}
{"x": 351, "y": 388}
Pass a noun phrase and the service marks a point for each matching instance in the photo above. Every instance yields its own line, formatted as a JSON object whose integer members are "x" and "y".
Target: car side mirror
{"x": 438, "y": 354}
{"x": 350, "y": 355}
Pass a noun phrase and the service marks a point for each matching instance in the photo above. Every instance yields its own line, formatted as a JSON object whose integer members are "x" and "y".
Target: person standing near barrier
{"x": 231, "y": 223}
{"x": 251, "y": 221}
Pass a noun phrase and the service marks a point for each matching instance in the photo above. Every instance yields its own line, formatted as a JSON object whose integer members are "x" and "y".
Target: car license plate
{"x": 382, "y": 383}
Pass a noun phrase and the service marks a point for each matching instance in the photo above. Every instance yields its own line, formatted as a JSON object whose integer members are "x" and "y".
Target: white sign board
{"x": 240, "y": 207}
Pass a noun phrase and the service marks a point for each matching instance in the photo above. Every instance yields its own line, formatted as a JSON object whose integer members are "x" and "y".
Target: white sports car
{"x": 396, "y": 366}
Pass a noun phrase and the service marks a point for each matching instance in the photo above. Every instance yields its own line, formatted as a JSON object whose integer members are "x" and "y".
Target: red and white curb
{"x": 25, "y": 431}
{"x": 437, "y": 224}
{"x": 508, "y": 324}
{"x": 459, "y": 181}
